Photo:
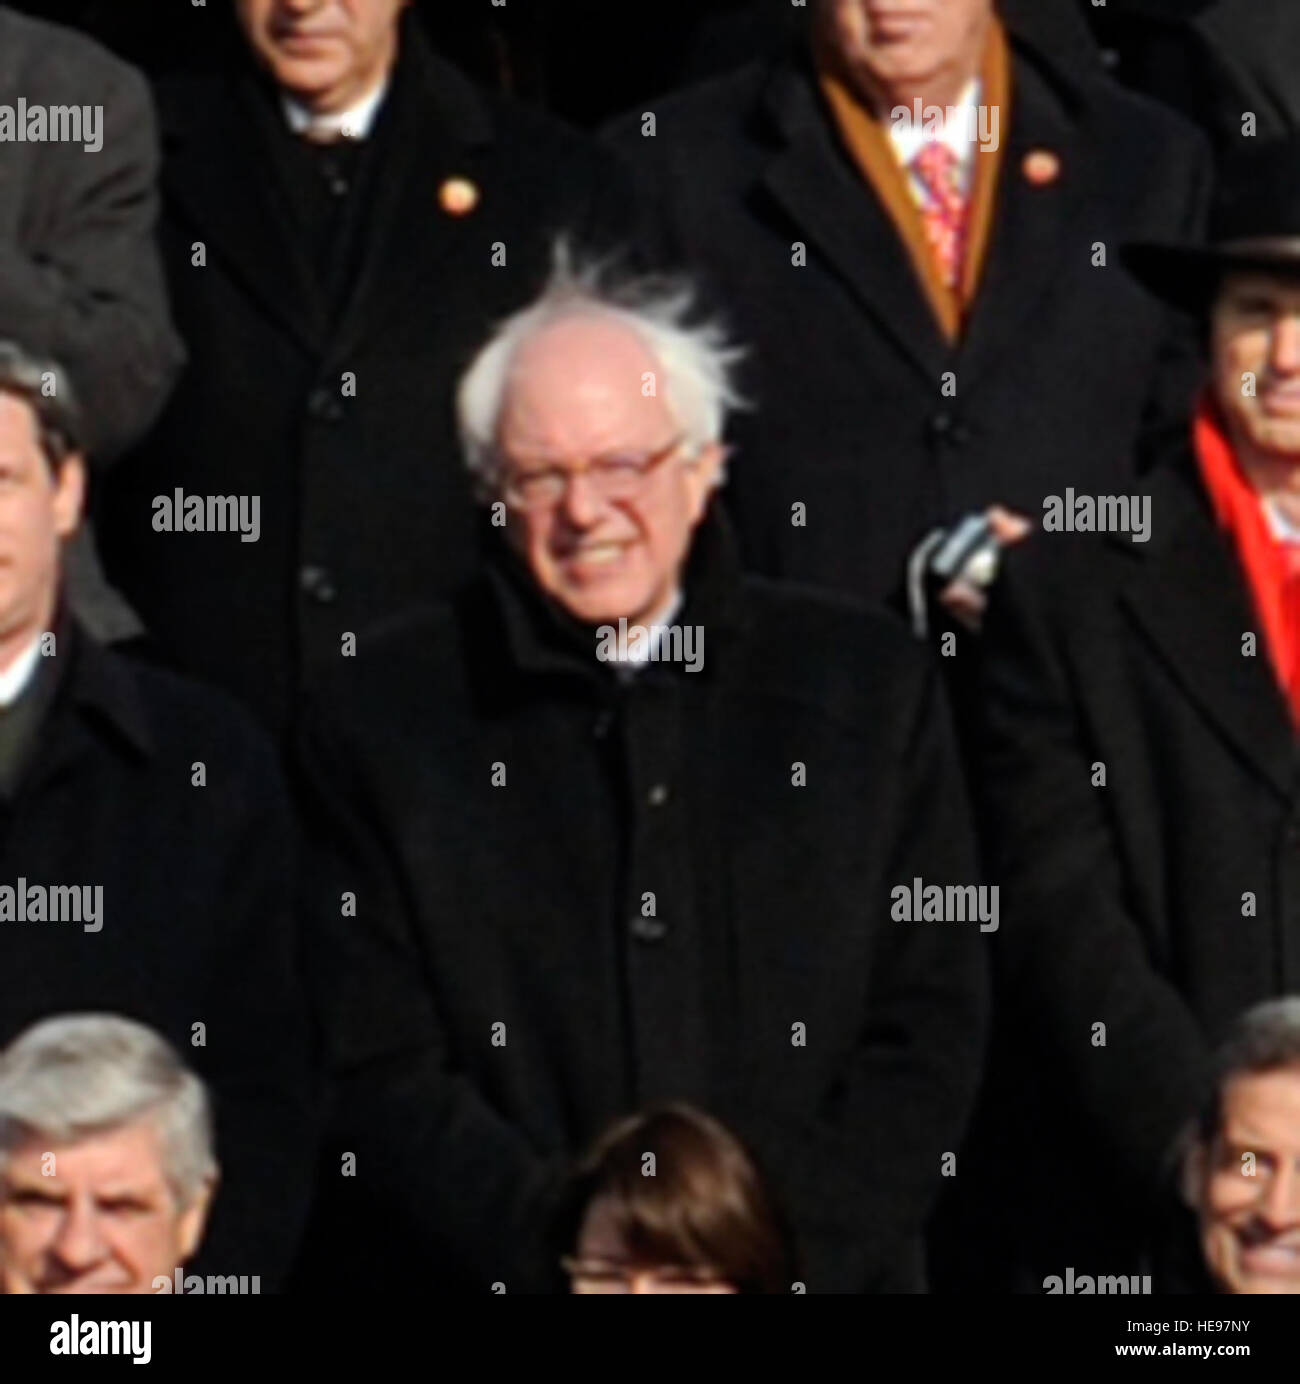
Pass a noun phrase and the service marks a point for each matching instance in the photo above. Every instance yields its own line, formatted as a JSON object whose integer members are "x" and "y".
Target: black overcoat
{"x": 196, "y": 935}
{"x": 868, "y": 428}
{"x": 1140, "y": 792}
{"x": 342, "y": 423}
{"x": 573, "y": 895}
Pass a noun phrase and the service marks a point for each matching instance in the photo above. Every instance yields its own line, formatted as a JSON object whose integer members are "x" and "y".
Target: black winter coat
{"x": 649, "y": 883}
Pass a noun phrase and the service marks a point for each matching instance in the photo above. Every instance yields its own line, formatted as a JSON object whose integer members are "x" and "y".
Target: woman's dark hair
{"x": 705, "y": 1205}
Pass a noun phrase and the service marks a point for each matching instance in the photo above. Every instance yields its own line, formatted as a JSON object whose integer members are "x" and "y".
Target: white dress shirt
{"x": 643, "y": 650}
{"x": 1279, "y": 525}
{"x": 959, "y": 130}
{"x": 353, "y": 123}
{"x": 14, "y": 679}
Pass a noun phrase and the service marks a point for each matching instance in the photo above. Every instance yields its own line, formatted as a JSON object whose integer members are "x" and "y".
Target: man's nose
{"x": 1280, "y": 1208}
{"x": 1285, "y": 355}
{"x": 582, "y": 505}
{"x": 79, "y": 1243}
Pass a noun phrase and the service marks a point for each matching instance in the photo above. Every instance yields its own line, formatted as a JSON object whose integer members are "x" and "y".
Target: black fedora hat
{"x": 1254, "y": 224}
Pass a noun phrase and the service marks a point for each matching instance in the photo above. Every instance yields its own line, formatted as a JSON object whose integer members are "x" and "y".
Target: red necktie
{"x": 944, "y": 212}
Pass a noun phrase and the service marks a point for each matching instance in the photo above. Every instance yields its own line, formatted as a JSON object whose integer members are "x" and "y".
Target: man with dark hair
{"x": 1241, "y": 1171}
{"x": 344, "y": 214}
{"x": 145, "y": 845}
{"x": 1141, "y": 704}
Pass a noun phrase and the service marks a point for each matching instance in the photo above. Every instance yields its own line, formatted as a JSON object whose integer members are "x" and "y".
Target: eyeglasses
{"x": 616, "y": 477}
{"x": 596, "y": 1276}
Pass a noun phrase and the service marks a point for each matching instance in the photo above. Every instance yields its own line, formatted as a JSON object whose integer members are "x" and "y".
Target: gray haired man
{"x": 107, "y": 1162}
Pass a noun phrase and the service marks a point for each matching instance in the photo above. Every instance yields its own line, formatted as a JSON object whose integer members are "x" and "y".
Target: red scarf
{"x": 1271, "y": 565}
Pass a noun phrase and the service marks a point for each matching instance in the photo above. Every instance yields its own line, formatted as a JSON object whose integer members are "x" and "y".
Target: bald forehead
{"x": 581, "y": 354}
{"x": 581, "y": 382}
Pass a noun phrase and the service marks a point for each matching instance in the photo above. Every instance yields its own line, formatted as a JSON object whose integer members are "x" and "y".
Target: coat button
{"x": 940, "y": 425}
{"x": 324, "y": 405}
{"x": 648, "y": 929}
{"x": 317, "y": 583}
{"x": 658, "y": 795}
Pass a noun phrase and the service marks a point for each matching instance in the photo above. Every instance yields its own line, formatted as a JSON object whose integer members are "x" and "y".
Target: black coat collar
{"x": 100, "y": 687}
{"x": 95, "y": 700}
{"x": 1186, "y": 593}
{"x": 537, "y": 638}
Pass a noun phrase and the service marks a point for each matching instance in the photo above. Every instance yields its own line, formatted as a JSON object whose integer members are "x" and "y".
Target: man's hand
{"x": 965, "y": 598}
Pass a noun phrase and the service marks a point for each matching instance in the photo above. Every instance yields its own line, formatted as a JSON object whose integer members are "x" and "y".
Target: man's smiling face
{"x": 1255, "y": 348}
{"x": 577, "y": 406}
{"x": 1250, "y": 1186}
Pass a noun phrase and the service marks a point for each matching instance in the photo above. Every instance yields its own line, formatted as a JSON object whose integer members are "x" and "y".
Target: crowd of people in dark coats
{"x": 703, "y": 705}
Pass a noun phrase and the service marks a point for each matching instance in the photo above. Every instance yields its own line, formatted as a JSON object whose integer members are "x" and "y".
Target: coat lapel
{"x": 1031, "y": 224}
{"x": 831, "y": 205}
{"x": 1190, "y": 601}
{"x": 218, "y": 169}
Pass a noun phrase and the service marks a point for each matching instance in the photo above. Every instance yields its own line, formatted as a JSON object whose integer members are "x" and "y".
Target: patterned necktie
{"x": 944, "y": 213}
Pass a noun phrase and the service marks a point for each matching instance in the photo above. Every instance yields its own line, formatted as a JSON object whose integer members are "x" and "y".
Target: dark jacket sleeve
{"x": 467, "y": 1186}
{"x": 257, "y": 1056}
{"x": 863, "y": 1180}
{"x": 85, "y": 285}
{"x": 1070, "y": 955}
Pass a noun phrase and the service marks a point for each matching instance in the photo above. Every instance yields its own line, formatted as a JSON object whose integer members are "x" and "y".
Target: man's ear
{"x": 704, "y": 474}
{"x": 1191, "y": 1172}
{"x": 194, "y": 1219}
{"x": 69, "y": 494}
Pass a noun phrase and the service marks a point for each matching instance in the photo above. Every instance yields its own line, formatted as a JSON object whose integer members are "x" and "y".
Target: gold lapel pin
{"x": 458, "y": 196}
{"x": 1041, "y": 167}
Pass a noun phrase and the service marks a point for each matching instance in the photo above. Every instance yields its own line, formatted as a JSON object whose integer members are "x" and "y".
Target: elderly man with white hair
{"x": 107, "y": 1159}
{"x": 618, "y": 825}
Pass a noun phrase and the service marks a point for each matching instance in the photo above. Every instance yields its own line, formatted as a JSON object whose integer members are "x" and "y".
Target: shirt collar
{"x": 641, "y": 651}
{"x": 1282, "y": 528}
{"x": 15, "y": 678}
{"x": 958, "y": 128}
{"x": 538, "y": 637}
{"x": 353, "y": 123}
